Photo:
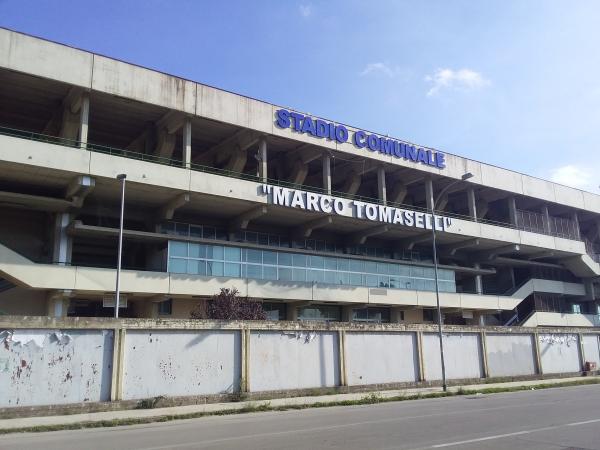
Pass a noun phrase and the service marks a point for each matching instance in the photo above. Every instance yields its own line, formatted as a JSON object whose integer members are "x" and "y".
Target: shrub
{"x": 228, "y": 305}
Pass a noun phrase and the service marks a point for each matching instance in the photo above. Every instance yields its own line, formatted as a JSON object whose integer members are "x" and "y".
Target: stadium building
{"x": 316, "y": 219}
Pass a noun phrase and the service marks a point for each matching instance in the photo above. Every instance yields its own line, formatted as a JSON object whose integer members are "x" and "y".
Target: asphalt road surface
{"x": 560, "y": 418}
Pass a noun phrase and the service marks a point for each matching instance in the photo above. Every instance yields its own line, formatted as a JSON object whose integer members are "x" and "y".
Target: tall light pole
{"x": 122, "y": 178}
{"x": 466, "y": 176}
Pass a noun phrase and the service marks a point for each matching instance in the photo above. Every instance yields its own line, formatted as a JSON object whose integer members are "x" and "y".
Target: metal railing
{"x": 526, "y": 220}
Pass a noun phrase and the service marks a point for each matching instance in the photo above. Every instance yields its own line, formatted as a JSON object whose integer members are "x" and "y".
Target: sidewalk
{"x": 212, "y": 408}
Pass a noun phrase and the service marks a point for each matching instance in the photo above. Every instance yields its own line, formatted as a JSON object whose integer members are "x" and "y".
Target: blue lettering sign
{"x": 321, "y": 129}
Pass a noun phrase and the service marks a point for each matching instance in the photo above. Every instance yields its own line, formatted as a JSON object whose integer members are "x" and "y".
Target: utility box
{"x": 590, "y": 366}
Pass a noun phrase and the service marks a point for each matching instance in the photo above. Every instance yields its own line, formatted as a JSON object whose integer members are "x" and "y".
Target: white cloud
{"x": 462, "y": 79}
{"x": 576, "y": 176}
{"x": 381, "y": 68}
{"x": 305, "y": 10}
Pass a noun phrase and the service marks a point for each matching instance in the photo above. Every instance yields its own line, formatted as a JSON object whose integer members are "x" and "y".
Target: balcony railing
{"x": 526, "y": 220}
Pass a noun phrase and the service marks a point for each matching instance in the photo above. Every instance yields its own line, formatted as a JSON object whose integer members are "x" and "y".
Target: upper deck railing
{"x": 526, "y": 220}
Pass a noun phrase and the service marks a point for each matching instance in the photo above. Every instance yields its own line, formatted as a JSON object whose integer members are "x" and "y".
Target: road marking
{"x": 516, "y": 433}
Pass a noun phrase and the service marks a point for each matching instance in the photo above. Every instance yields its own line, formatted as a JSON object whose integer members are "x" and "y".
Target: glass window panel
{"x": 417, "y": 271}
{"x": 196, "y": 231}
{"x": 232, "y": 270}
{"x": 283, "y": 242}
{"x": 168, "y": 228}
{"x": 382, "y": 268}
{"x": 270, "y": 258}
{"x": 310, "y": 244}
{"x": 209, "y": 232}
{"x": 330, "y": 263}
{"x": 406, "y": 283}
{"x": 330, "y": 277}
{"x": 254, "y": 256}
{"x": 384, "y": 281}
{"x": 183, "y": 229}
{"x": 197, "y": 251}
{"x": 274, "y": 240}
{"x": 177, "y": 248}
{"x": 394, "y": 269}
{"x": 269, "y": 273}
{"x": 285, "y": 259}
{"x": 317, "y": 262}
{"x": 343, "y": 278}
{"x": 404, "y": 270}
{"x": 357, "y": 265}
{"x": 299, "y": 260}
{"x": 192, "y": 266}
{"x": 342, "y": 264}
{"x": 316, "y": 276}
{"x": 370, "y": 267}
{"x": 428, "y": 272}
{"x": 299, "y": 275}
{"x": 221, "y": 234}
{"x": 214, "y": 269}
{"x": 254, "y": 271}
{"x": 370, "y": 280}
{"x": 214, "y": 252}
{"x": 263, "y": 239}
{"x": 321, "y": 246}
{"x": 285, "y": 274}
{"x": 251, "y": 237}
{"x": 355, "y": 279}
{"x": 177, "y": 265}
{"x": 232, "y": 254}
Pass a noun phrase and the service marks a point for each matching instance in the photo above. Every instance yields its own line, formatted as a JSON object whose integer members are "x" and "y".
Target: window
{"x": 429, "y": 315}
{"x": 323, "y": 313}
{"x": 275, "y": 311}
{"x": 165, "y": 308}
{"x": 576, "y": 308}
{"x": 378, "y": 315}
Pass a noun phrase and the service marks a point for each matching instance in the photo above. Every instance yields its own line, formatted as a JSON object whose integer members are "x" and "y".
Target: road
{"x": 560, "y": 418}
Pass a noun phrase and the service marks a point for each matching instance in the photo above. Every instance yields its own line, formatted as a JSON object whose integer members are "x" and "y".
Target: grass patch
{"x": 369, "y": 399}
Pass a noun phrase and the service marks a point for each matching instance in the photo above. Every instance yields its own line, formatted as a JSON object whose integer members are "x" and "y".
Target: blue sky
{"x": 510, "y": 83}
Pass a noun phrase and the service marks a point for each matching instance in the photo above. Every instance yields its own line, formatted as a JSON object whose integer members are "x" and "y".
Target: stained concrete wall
{"x": 462, "y": 355}
{"x": 591, "y": 348}
{"x": 510, "y": 354}
{"x": 179, "y": 362}
{"x": 559, "y": 353}
{"x": 51, "y": 367}
{"x": 293, "y": 360}
{"x": 376, "y": 358}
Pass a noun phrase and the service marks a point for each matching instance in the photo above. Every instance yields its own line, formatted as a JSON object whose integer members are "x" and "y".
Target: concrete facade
{"x": 517, "y": 248}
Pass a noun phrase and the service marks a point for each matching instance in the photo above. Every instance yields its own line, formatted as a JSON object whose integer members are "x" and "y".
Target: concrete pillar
{"x": 84, "y": 118}
{"x": 245, "y": 363}
{"x": 62, "y": 241}
{"x": 57, "y": 304}
{"x": 484, "y": 356}
{"x": 347, "y": 313}
{"x": 381, "y": 188}
{"x": 472, "y": 203}
{"x": 396, "y": 314}
{"x": 262, "y": 160}
{"x": 546, "y": 219}
{"x": 327, "y": 173}
{"x": 512, "y": 210}
{"x": 429, "y": 194}
{"x": 419, "y": 341}
{"x": 187, "y": 144}
{"x": 590, "y": 290}
{"x": 575, "y": 220}
{"x": 478, "y": 281}
{"x": 342, "y": 357}
{"x": 291, "y": 312}
{"x": 536, "y": 349}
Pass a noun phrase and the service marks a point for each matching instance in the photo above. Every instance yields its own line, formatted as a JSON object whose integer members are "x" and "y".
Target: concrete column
{"x": 484, "y": 357}
{"x": 245, "y": 363}
{"x": 512, "y": 210}
{"x": 84, "y": 118}
{"x": 327, "y": 173}
{"x": 347, "y": 313}
{"x": 396, "y": 314}
{"x": 342, "y": 357}
{"x": 546, "y": 219}
{"x": 291, "y": 312}
{"x": 187, "y": 144}
{"x": 590, "y": 290}
{"x": 472, "y": 203}
{"x": 62, "y": 241}
{"x": 536, "y": 348}
{"x": 57, "y": 304}
{"x": 381, "y": 188}
{"x": 262, "y": 162}
{"x": 478, "y": 281}
{"x": 419, "y": 342}
{"x": 429, "y": 194}
{"x": 575, "y": 220}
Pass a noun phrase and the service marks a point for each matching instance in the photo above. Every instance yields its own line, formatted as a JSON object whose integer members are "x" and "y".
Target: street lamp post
{"x": 466, "y": 176}
{"x": 122, "y": 178}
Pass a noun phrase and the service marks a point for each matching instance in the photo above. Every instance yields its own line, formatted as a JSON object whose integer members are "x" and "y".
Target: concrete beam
{"x": 262, "y": 160}
{"x": 472, "y": 203}
{"x": 240, "y": 141}
{"x": 168, "y": 210}
{"x": 38, "y": 202}
{"x": 360, "y": 237}
{"x": 241, "y": 222}
{"x": 237, "y": 161}
{"x": 171, "y": 121}
{"x": 306, "y": 229}
{"x": 451, "y": 249}
{"x": 398, "y": 193}
{"x": 541, "y": 255}
{"x": 482, "y": 207}
{"x": 299, "y": 172}
{"x": 410, "y": 242}
{"x": 352, "y": 183}
{"x": 78, "y": 189}
{"x": 165, "y": 144}
{"x": 489, "y": 255}
{"x": 512, "y": 210}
